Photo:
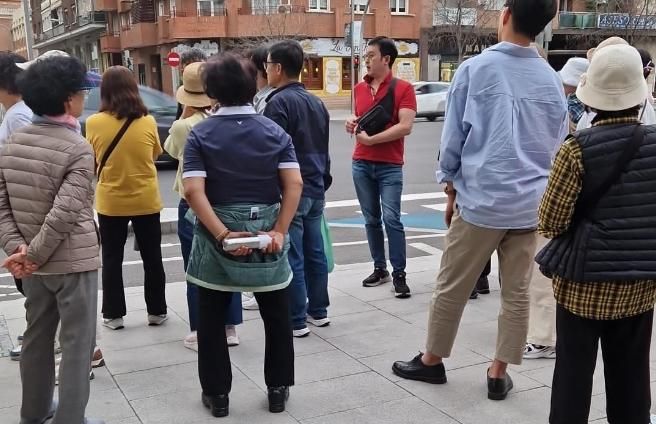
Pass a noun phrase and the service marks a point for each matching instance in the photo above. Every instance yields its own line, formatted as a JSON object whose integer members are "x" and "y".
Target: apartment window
{"x": 210, "y": 8}
{"x": 319, "y": 5}
{"x": 494, "y": 4}
{"x": 126, "y": 22}
{"x": 160, "y": 8}
{"x": 398, "y": 6}
{"x": 359, "y": 5}
{"x": 56, "y": 17}
{"x": 267, "y": 7}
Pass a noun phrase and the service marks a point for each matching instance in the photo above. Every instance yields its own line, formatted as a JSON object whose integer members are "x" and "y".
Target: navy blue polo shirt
{"x": 239, "y": 153}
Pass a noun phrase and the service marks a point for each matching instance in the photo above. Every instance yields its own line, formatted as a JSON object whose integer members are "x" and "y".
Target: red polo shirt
{"x": 404, "y": 98}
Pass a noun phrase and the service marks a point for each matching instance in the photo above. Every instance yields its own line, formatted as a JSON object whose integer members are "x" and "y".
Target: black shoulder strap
{"x": 388, "y": 101}
{"x": 589, "y": 202}
{"x": 112, "y": 146}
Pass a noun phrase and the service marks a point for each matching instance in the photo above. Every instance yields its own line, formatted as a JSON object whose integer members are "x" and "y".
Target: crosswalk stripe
{"x": 404, "y": 198}
{"x": 427, "y": 248}
{"x": 438, "y": 207}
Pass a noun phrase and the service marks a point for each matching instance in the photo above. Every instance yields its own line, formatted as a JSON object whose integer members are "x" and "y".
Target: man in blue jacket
{"x": 305, "y": 118}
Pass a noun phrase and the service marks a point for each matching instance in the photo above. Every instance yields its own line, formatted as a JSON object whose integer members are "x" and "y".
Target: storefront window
{"x": 447, "y": 69}
{"x": 313, "y": 73}
{"x": 346, "y": 74}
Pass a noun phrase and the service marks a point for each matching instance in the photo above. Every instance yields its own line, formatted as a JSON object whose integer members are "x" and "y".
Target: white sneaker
{"x": 231, "y": 335}
{"x": 157, "y": 319}
{"x": 303, "y": 332}
{"x": 191, "y": 341}
{"x": 533, "y": 351}
{"x": 321, "y": 322}
{"x": 248, "y": 302}
{"x": 114, "y": 324}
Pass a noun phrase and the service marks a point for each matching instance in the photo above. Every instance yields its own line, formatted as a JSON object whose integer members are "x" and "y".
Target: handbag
{"x": 327, "y": 244}
{"x": 549, "y": 257}
{"x": 113, "y": 145}
{"x": 375, "y": 120}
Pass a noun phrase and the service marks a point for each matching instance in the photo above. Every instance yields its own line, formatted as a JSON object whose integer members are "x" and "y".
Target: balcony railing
{"x": 272, "y": 10}
{"x": 577, "y": 20}
{"x": 454, "y": 16}
{"x": 203, "y": 11}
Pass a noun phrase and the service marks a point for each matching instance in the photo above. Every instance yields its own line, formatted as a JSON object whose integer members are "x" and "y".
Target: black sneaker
{"x": 378, "y": 277}
{"x": 278, "y": 396}
{"x": 483, "y": 286}
{"x": 401, "y": 289}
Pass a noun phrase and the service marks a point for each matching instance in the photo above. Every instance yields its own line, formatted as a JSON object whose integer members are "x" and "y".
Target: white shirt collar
{"x": 236, "y": 110}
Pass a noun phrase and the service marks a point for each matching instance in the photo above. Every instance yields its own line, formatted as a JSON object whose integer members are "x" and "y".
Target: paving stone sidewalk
{"x": 343, "y": 372}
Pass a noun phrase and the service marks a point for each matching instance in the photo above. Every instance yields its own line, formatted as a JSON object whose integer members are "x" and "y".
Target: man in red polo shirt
{"x": 378, "y": 163}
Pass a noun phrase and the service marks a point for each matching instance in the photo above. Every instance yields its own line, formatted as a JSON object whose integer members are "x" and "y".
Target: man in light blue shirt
{"x": 506, "y": 116}
{"x": 17, "y": 114}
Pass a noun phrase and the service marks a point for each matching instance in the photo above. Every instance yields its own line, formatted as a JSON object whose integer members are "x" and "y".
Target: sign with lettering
{"x": 624, "y": 21}
{"x": 337, "y": 47}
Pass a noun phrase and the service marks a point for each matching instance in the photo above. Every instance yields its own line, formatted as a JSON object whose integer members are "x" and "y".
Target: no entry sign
{"x": 173, "y": 59}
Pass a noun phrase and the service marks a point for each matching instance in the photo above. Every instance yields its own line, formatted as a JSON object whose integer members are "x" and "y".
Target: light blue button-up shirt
{"x": 506, "y": 116}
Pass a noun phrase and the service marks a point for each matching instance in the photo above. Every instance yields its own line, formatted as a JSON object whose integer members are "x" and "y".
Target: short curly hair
{"x": 9, "y": 71}
{"x": 49, "y": 83}
{"x": 229, "y": 79}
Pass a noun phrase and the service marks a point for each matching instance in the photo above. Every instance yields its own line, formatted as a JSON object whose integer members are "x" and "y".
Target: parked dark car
{"x": 160, "y": 105}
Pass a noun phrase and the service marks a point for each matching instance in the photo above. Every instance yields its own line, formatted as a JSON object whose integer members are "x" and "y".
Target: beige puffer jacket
{"x": 46, "y": 198}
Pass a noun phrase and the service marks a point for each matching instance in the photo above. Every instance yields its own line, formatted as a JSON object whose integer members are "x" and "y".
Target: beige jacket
{"x": 46, "y": 198}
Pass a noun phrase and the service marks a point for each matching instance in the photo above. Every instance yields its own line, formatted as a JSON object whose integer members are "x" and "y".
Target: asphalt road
{"x": 422, "y": 208}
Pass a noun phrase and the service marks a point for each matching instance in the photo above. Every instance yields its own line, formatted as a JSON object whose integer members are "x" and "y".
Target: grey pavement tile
{"x": 133, "y": 420}
{"x": 109, "y": 405}
{"x": 382, "y": 364}
{"x": 359, "y": 323}
{"x": 369, "y": 343}
{"x": 311, "y": 368}
{"x": 248, "y": 404}
{"x": 10, "y": 389}
{"x": 10, "y": 414}
{"x": 482, "y": 310}
{"x": 138, "y": 334}
{"x": 13, "y": 309}
{"x": 466, "y": 388}
{"x": 148, "y": 357}
{"x": 345, "y": 304}
{"x": 341, "y": 394}
{"x": 16, "y": 327}
{"x": 404, "y": 411}
{"x": 103, "y": 380}
{"x": 159, "y": 381}
{"x": 419, "y": 303}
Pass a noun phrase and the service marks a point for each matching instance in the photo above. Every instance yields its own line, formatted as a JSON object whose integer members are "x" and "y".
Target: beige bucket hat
{"x": 614, "y": 80}
{"x": 192, "y": 92}
{"x": 610, "y": 41}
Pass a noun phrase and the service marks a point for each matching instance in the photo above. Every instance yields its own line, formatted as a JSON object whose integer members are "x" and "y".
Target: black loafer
{"x": 483, "y": 286}
{"x": 474, "y": 294}
{"x": 416, "y": 370}
{"x": 277, "y": 398}
{"x": 218, "y": 404}
{"x": 498, "y": 388}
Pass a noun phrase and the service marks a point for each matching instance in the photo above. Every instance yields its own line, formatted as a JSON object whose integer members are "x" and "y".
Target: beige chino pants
{"x": 542, "y": 323}
{"x": 467, "y": 249}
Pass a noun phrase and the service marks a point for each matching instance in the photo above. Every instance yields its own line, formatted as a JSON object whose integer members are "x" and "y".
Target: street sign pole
{"x": 29, "y": 35}
{"x": 352, "y": 36}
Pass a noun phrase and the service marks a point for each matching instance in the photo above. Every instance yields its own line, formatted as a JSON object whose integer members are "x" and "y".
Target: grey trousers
{"x": 73, "y": 299}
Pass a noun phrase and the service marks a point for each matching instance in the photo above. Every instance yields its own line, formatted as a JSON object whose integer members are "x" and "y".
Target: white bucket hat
{"x": 572, "y": 71}
{"x": 46, "y": 55}
{"x": 614, "y": 80}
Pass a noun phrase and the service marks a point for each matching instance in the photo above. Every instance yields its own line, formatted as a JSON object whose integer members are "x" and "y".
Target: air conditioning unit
{"x": 285, "y": 8}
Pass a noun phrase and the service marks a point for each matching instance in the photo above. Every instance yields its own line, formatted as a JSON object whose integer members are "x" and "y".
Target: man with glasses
{"x": 305, "y": 118}
{"x": 378, "y": 163}
{"x": 506, "y": 117}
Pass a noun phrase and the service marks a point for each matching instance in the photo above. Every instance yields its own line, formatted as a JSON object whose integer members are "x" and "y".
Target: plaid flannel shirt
{"x": 592, "y": 300}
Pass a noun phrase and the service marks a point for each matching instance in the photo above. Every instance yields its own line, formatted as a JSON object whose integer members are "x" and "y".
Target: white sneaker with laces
{"x": 303, "y": 332}
{"x": 191, "y": 341}
{"x": 114, "y": 324}
{"x": 248, "y": 302}
{"x": 154, "y": 320}
{"x": 533, "y": 351}
{"x": 320, "y": 322}
{"x": 231, "y": 335}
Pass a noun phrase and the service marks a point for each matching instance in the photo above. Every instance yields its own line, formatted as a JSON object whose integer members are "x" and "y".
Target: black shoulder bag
{"x": 549, "y": 257}
{"x": 112, "y": 146}
{"x": 376, "y": 119}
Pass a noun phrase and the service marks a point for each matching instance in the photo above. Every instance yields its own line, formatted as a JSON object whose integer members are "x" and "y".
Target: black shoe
{"x": 483, "y": 286}
{"x": 416, "y": 370}
{"x": 218, "y": 404}
{"x": 401, "y": 289}
{"x": 498, "y": 388}
{"x": 474, "y": 294}
{"x": 277, "y": 398}
{"x": 378, "y": 277}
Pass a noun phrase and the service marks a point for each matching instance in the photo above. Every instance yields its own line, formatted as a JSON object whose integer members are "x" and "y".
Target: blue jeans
{"x": 186, "y": 236}
{"x": 309, "y": 287}
{"x": 376, "y": 184}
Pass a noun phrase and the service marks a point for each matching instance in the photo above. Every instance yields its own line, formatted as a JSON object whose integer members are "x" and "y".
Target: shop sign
{"x": 337, "y": 47}
{"x": 624, "y": 21}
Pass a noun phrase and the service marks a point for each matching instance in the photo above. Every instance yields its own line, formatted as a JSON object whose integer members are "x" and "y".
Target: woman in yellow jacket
{"x": 127, "y": 191}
